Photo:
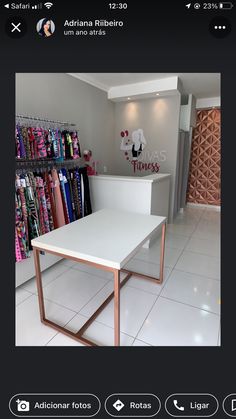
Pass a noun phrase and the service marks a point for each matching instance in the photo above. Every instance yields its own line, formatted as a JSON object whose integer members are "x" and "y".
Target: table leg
{"x": 163, "y": 236}
{"x": 117, "y": 307}
{"x": 39, "y": 283}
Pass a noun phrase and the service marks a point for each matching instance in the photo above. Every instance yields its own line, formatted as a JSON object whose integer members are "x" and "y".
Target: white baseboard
{"x": 213, "y": 207}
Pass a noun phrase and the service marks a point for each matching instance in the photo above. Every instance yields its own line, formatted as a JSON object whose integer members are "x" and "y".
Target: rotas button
{"x": 132, "y": 405}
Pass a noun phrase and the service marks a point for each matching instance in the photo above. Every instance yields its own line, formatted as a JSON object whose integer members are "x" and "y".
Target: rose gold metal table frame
{"x": 115, "y": 294}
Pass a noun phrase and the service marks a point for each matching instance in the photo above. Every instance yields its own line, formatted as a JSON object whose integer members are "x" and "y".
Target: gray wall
{"x": 62, "y": 97}
{"x": 159, "y": 119}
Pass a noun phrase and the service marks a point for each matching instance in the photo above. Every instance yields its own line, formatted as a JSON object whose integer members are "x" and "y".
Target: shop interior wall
{"x": 159, "y": 119}
{"x": 61, "y": 97}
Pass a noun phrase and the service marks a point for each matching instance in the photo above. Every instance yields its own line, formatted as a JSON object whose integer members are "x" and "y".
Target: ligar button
{"x": 132, "y": 405}
{"x": 54, "y": 405}
{"x": 191, "y": 405}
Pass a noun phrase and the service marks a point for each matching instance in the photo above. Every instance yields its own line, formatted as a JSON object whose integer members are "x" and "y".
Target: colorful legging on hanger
{"x": 58, "y": 199}
{"x": 67, "y": 195}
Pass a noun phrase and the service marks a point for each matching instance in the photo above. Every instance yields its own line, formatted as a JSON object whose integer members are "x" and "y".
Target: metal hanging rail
{"x": 34, "y": 118}
{"x": 23, "y": 165}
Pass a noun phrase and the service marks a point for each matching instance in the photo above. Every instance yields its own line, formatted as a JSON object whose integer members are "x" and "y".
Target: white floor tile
{"x": 182, "y": 230}
{"x": 213, "y": 225}
{"x": 195, "y": 290}
{"x": 146, "y": 268}
{"x": 47, "y": 277}
{"x": 175, "y": 241}
{"x": 135, "y": 306}
{"x": 199, "y": 264}
{"x": 134, "y": 282}
{"x": 206, "y": 235}
{"x": 175, "y": 324}
{"x": 153, "y": 255}
{"x": 29, "y": 329}
{"x": 140, "y": 343}
{"x": 99, "y": 333}
{"x": 73, "y": 289}
{"x": 68, "y": 262}
{"x": 146, "y": 285}
{"x": 63, "y": 340}
{"x": 208, "y": 247}
{"x": 97, "y": 300}
{"x": 93, "y": 271}
{"x": 212, "y": 216}
{"x": 207, "y": 231}
{"x": 21, "y": 295}
{"x": 186, "y": 220}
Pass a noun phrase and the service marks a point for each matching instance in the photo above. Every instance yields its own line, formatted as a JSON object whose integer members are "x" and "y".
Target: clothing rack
{"x": 25, "y": 165}
{"x": 34, "y": 118}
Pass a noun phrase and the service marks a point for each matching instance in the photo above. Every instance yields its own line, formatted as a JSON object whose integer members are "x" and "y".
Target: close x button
{"x": 191, "y": 405}
{"x": 132, "y": 405}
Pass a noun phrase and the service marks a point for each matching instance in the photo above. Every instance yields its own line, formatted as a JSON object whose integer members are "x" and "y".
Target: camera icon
{"x": 23, "y": 405}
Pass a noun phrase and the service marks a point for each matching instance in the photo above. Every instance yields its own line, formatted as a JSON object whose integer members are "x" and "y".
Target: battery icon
{"x": 226, "y": 5}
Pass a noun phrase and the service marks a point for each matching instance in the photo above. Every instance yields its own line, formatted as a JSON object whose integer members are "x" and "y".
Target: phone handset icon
{"x": 178, "y": 407}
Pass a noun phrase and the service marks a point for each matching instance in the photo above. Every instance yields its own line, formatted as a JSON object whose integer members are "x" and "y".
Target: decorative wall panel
{"x": 204, "y": 170}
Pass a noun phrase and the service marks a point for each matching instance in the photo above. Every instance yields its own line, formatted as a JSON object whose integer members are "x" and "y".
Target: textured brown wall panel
{"x": 204, "y": 170}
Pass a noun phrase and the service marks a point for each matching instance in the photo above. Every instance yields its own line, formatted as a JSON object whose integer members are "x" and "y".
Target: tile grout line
{"x": 201, "y": 276}
{"x": 45, "y": 286}
{"x": 142, "y": 324}
{"x": 17, "y": 305}
{"x": 190, "y": 237}
{"x": 89, "y": 273}
{"x": 140, "y": 340}
{"x": 194, "y": 273}
{"x": 79, "y": 312}
{"x": 64, "y": 325}
{"x": 59, "y": 305}
{"x": 71, "y": 309}
{"x": 158, "y": 296}
{"x": 57, "y": 333}
{"x": 204, "y": 254}
{"x": 68, "y": 308}
{"x": 190, "y": 305}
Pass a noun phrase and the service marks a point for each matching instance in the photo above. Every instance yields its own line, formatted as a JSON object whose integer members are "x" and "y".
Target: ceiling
{"x": 201, "y": 85}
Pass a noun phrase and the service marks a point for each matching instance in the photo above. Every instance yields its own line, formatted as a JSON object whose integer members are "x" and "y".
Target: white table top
{"x": 107, "y": 237}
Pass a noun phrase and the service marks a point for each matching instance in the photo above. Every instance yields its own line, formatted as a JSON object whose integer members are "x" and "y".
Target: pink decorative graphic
{"x": 133, "y": 148}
